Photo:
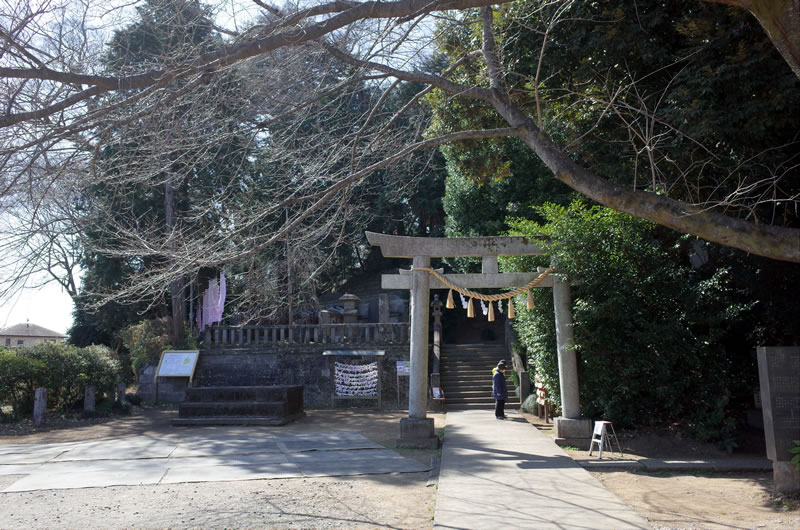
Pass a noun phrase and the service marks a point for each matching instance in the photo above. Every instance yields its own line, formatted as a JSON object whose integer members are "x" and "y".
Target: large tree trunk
{"x": 774, "y": 242}
{"x": 177, "y": 288}
{"x": 781, "y": 20}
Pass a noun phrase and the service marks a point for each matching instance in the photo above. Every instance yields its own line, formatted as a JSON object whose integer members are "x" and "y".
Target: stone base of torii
{"x": 417, "y": 430}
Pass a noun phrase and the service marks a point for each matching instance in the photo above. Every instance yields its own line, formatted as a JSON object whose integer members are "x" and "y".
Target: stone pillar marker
{"x": 39, "y": 406}
{"x": 569, "y": 428}
{"x": 121, "y": 393}
{"x": 89, "y": 398}
{"x": 384, "y": 311}
{"x": 779, "y": 379}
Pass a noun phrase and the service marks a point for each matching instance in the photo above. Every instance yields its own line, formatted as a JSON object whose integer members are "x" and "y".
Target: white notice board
{"x": 403, "y": 368}
{"x": 177, "y": 363}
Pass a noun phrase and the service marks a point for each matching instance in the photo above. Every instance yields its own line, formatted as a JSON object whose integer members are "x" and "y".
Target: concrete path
{"x": 197, "y": 458}
{"x": 507, "y": 474}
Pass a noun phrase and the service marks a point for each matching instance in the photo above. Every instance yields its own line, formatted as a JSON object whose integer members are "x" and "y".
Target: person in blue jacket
{"x": 499, "y": 390}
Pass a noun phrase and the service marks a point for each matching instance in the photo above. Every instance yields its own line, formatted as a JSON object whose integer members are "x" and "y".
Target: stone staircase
{"x": 241, "y": 405}
{"x": 466, "y": 376}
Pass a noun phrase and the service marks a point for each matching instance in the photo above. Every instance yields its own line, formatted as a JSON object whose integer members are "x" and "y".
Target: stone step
{"x": 486, "y": 359}
{"x": 472, "y": 376}
{"x": 469, "y": 396}
{"x": 481, "y": 392}
{"x": 237, "y": 393}
{"x": 461, "y": 403}
{"x": 475, "y": 345}
{"x": 473, "y": 353}
{"x": 235, "y": 420}
{"x": 466, "y": 375}
{"x": 468, "y": 385}
{"x": 233, "y": 408}
{"x": 483, "y": 406}
{"x": 487, "y": 369}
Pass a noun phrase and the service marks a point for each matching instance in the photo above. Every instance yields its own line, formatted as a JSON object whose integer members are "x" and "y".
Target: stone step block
{"x": 469, "y": 385}
{"x": 235, "y": 393}
{"x": 475, "y": 376}
{"x": 234, "y": 408}
{"x": 479, "y": 406}
{"x": 235, "y": 420}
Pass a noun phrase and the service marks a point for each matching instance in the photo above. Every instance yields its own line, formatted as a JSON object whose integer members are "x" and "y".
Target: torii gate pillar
{"x": 569, "y": 428}
{"x": 417, "y": 430}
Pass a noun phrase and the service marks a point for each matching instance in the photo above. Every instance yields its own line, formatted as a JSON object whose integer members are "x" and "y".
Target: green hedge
{"x": 19, "y": 377}
{"x": 63, "y": 369}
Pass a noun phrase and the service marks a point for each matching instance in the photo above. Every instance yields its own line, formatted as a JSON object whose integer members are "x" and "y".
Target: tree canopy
{"x": 650, "y": 329}
{"x": 69, "y": 103}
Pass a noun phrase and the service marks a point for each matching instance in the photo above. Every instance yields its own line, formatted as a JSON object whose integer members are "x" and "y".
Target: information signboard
{"x": 177, "y": 363}
{"x": 403, "y": 367}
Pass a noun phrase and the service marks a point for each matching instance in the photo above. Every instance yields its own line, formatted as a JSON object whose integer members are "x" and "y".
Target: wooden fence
{"x": 372, "y": 334}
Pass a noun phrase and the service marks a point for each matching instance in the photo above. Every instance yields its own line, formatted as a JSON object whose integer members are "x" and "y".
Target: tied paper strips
{"x": 358, "y": 380}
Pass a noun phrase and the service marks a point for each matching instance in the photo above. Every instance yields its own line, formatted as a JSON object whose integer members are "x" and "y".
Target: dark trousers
{"x": 499, "y": 408}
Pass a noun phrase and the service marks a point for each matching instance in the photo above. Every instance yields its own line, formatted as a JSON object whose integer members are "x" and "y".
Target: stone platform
{"x": 241, "y": 405}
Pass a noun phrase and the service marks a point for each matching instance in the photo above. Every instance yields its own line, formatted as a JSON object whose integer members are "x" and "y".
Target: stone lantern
{"x": 350, "y": 303}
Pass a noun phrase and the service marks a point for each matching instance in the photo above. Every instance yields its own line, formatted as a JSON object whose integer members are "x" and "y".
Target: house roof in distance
{"x": 29, "y": 330}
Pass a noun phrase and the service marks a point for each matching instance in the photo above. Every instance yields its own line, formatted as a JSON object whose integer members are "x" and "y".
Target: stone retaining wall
{"x": 290, "y": 366}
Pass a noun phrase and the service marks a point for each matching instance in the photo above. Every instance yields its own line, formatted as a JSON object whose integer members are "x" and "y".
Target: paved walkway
{"x": 507, "y": 474}
{"x": 494, "y": 474}
{"x": 208, "y": 457}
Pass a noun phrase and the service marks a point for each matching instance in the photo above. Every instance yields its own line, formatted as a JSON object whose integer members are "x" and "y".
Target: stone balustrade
{"x": 372, "y": 334}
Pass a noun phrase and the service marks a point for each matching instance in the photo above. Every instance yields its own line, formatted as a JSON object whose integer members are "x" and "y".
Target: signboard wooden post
{"x": 176, "y": 363}
{"x": 404, "y": 370}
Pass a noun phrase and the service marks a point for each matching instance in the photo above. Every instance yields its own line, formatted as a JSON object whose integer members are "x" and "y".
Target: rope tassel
{"x": 450, "y": 304}
{"x": 530, "y": 300}
{"x": 511, "y": 313}
{"x": 491, "y": 312}
{"x": 470, "y": 310}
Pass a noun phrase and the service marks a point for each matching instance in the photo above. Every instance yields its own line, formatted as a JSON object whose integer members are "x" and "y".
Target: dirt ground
{"x": 666, "y": 500}
{"x": 697, "y": 499}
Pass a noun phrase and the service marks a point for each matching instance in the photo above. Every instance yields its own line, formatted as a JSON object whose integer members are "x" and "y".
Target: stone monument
{"x": 779, "y": 378}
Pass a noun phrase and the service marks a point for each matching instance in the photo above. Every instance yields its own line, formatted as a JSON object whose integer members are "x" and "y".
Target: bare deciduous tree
{"x": 284, "y": 113}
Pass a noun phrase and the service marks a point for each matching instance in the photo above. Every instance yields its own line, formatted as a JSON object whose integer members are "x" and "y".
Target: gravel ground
{"x": 400, "y": 500}
{"x": 382, "y": 501}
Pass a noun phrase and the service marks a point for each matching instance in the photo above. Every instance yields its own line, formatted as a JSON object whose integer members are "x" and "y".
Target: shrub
{"x": 101, "y": 369}
{"x": 122, "y": 409}
{"x": 795, "y": 452}
{"x": 69, "y": 369}
{"x": 19, "y": 378}
{"x": 530, "y": 404}
{"x": 62, "y": 366}
{"x": 650, "y": 332}
{"x": 145, "y": 341}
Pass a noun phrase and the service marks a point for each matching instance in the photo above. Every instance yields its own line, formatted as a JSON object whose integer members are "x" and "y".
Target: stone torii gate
{"x": 417, "y": 430}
